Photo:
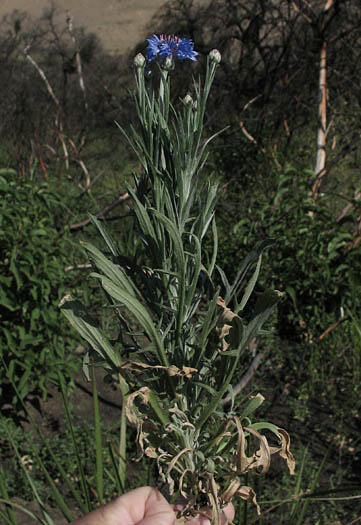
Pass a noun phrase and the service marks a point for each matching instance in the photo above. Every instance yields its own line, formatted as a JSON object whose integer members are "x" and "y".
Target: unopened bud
{"x": 139, "y": 60}
{"x": 187, "y": 101}
{"x": 215, "y": 56}
{"x": 167, "y": 64}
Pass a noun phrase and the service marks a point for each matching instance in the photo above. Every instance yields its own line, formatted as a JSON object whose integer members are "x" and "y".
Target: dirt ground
{"x": 119, "y": 24}
{"x": 51, "y": 419}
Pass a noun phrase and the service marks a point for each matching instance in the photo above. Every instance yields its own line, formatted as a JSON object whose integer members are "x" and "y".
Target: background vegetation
{"x": 62, "y": 157}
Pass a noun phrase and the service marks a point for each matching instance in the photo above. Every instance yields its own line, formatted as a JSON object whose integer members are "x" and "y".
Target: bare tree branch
{"x": 241, "y": 385}
{"x": 104, "y": 211}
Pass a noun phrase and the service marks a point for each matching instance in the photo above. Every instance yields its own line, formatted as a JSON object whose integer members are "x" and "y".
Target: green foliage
{"x": 35, "y": 251}
{"x": 313, "y": 259}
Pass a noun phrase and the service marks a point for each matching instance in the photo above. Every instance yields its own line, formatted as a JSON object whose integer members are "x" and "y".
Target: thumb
{"x": 157, "y": 510}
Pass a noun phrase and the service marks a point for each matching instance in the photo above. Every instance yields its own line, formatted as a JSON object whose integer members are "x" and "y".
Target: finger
{"x": 229, "y": 512}
{"x": 142, "y": 506}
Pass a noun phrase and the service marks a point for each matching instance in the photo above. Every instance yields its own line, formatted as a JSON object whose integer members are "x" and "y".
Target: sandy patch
{"x": 119, "y": 24}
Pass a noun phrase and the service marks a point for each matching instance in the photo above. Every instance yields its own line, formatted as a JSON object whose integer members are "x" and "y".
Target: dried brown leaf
{"x": 131, "y": 411}
{"x": 228, "y": 327}
{"x": 228, "y": 494}
{"x": 285, "y": 451}
{"x": 176, "y": 458}
{"x": 248, "y": 494}
{"x": 243, "y": 461}
{"x": 227, "y": 314}
{"x": 135, "y": 417}
{"x": 213, "y": 498}
{"x": 181, "y": 479}
{"x": 262, "y": 457}
{"x": 138, "y": 367}
{"x": 236, "y": 489}
{"x": 150, "y": 452}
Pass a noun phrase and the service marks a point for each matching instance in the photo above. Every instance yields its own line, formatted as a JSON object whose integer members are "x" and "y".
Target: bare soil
{"x": 50, "y": 417}
{"x": 119, "y": 24}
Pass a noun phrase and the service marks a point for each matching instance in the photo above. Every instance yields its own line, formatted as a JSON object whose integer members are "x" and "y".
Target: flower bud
{"x": 187, "y": 101}
{"x": 215, "y": 56}
{"x": 139, "y": 60}
{"x": 167, "y": 63}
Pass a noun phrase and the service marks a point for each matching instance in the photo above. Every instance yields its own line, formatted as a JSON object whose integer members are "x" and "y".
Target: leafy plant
{"x": 32, "y": 276}
{"x": 315, "y": 259}
{"x": 179, "y": 341}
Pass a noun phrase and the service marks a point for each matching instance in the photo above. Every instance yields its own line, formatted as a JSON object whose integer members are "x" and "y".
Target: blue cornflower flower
{"x": 170, "y": 46}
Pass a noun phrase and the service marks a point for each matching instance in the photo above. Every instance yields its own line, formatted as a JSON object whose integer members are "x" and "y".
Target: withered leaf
{"x": 214, "y": 501}
{"x": 262, "y": 456}
{"x": 229, "y": 327}
{"x": 285, "y": 451}
{"x": 248, "y": 494}
{"x": 236, "y": 489}
{"x": 139, "y": 367}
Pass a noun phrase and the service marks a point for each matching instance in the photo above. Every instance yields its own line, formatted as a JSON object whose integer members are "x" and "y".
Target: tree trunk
{"x": 320, "y": 167}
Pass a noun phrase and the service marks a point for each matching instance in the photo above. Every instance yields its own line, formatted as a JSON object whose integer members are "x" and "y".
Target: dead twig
{"x": 77, "y": 267}
{"x": 241, "y": 385}
{"x": 244, "y": 129}
{"x": 42, "y": 75}
{"x": 79, "y": 70}
{"x": 348, "y": 207}
{"x": 104, "y": 211}
{"x": 58, "y": 117}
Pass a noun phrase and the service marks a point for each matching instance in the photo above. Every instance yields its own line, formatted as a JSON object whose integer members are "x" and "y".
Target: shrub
{"x": 32, "y": 279}
{"x": 314, "y": 259}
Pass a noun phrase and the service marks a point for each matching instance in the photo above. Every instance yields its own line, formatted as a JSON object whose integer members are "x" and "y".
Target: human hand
{"x": 142, "y": 506}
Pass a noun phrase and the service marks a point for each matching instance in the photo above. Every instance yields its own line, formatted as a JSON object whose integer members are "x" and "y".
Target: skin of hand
{"x": 142, "y": 506}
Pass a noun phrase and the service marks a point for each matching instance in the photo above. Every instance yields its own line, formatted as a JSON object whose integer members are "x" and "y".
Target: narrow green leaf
{"x": 118, "y": 483}
{"x": 4, "y": 494}
{"x": 83, "y": 480}
{"x": 140, "y": 313}
{"x": 111, "y": 270}
{"x": 159, "y": 411}
{"x": 175, "y": 236}
{"x": 97, "y": 442}
{"x": 250, "y": 286}
{"x": 264, "y": 425}
{"x": 294, "y": 512}
{"x": 301, "y": 516}
{"x": 263, "y": 309}
{"x": 215, "y": 247}
{"x": 5, "y": 517}
{"x": 145, "y": 224}
{"x": 208, "y": 323}
{"x": 62, "y": 506}
{"x": 122, "y": 463}
{"x": 109, "y": 241}
{"x": 196, "y": 271}
{"x": 47, "y": 518}
{"x": 46, "y": 443}
{"x": 246, "y": 263}
{"x": 27, "y": 512}
{"x": 78, "y": 317}
{"x": 252, "y": 406}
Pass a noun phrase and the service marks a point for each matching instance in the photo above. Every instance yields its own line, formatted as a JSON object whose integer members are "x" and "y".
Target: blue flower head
{"x": 170, "y": 46}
